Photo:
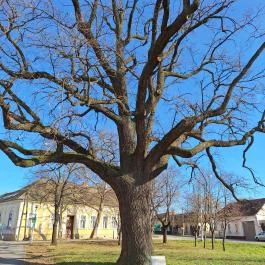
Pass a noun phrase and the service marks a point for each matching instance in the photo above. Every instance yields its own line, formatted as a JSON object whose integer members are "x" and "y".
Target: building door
{"x": 249, "y": 230}
{"x": 70, "y": 227}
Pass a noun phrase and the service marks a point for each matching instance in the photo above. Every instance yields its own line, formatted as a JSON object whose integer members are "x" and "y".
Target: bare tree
{"x": 194, "y": 212}
{"x": 205, "y": 204}
{"x": 70, "y": 75}
{"x": 223, "y": 217}
{"x": 208, "y": 202}
{"x": 102, "y": 189}
{"x": 56, "y": 185}
{"x": 227, "y": 214}
{"x": 165, "y": 191}
{"x": 215, "y": 206}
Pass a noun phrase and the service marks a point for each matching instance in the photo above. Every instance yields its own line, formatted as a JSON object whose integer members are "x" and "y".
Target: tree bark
{"x": 135, "y": 212}
{"x": 119, "y": 237}
{"x": 55, "y": 226}
{"x": 95, "y": 228}
{"x": 60, "y": 233}
{"x": 204, "y": 237}
{"x": 195, "y": 239}
{"x": 212, "y": 235}
{"x": 165, "y": 234}
{"x": 223, "y": 241}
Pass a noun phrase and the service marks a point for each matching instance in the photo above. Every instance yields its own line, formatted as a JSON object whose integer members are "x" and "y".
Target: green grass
{"x": 176, "y": 252}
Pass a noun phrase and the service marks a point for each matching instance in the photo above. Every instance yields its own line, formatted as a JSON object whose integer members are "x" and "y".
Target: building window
{"x": 10, "y": 220}
{"x": 105, "y": 222}
{"x": 93, "y": 221}
{"x": 83, "y": 221}
{"x": 236, "y": 228}
{"x": 229, "y": 228}
{"x": 114, "y": 222}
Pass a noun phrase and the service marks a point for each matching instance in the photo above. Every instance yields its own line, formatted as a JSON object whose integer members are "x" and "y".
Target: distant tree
{"x": 165, "y": 192}
{"x": 204, "y": 205}
{"x": 226, "y": 215}
{"x": 154, "y": 79}
{"x": 215, "y": 206}
{"x": 194, "y": 212}
{"x": 100, "y": 193}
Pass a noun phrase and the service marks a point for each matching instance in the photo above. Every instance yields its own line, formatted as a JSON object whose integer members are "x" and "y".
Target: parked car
{"x": 260, "y": 236}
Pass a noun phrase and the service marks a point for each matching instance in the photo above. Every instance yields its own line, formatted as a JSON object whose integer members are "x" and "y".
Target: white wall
{"x": 5, "y": 209}
{"x": 261, "y": 217}
{"x": 236, "y": 226}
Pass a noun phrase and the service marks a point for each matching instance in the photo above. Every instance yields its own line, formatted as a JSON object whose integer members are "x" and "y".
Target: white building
{"x": 244, "y": 219}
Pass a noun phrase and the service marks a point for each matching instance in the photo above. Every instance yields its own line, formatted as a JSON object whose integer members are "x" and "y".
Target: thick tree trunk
{"x": 95, "y": 228}
{"x": 135, "y": 212}
{"x": 195, "y": 239}
{"x": 55, "y": 226}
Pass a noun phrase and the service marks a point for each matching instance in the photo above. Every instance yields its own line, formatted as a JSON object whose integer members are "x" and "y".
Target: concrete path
{"x": 11, "y": 253}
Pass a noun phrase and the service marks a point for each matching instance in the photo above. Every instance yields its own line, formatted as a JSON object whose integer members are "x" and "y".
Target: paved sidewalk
{"x": 11, "y": 253}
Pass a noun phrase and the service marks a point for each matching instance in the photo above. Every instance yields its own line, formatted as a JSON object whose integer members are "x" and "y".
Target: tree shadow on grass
{"x": 86, "y": 263}
{"x": 66, "y": 263}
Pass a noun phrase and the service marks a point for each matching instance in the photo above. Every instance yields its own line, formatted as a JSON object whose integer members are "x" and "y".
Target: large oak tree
{"x": 84, "y": 80}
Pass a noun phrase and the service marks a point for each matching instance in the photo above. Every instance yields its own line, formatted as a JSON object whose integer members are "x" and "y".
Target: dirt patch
{"x": 39, "y": 253}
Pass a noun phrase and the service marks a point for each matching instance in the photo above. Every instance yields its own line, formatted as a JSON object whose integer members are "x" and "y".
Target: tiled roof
{"x": 42, "y": 191}
{"x": 243, "y": 208}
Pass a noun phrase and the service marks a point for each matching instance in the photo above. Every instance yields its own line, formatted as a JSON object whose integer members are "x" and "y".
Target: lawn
{"x": 176, "y": 252}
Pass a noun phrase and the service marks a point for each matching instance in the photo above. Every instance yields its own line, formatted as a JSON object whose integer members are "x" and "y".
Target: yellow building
{"x": 22, "y": 215}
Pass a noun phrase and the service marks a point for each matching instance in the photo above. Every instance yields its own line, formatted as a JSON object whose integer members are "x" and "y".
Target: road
{"x": 172, "y": 237}
{"x": 11, "y": 253}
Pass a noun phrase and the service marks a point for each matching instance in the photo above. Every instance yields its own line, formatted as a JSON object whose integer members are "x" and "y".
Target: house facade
{"x": 22, "y": 217}
{"x": 243, "y": 219}
{"x": 181, "y": 224}
{"x": 239, "y": 220}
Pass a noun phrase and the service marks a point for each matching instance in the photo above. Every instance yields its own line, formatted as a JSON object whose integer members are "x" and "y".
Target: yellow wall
{"x": 43, "y": 226}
